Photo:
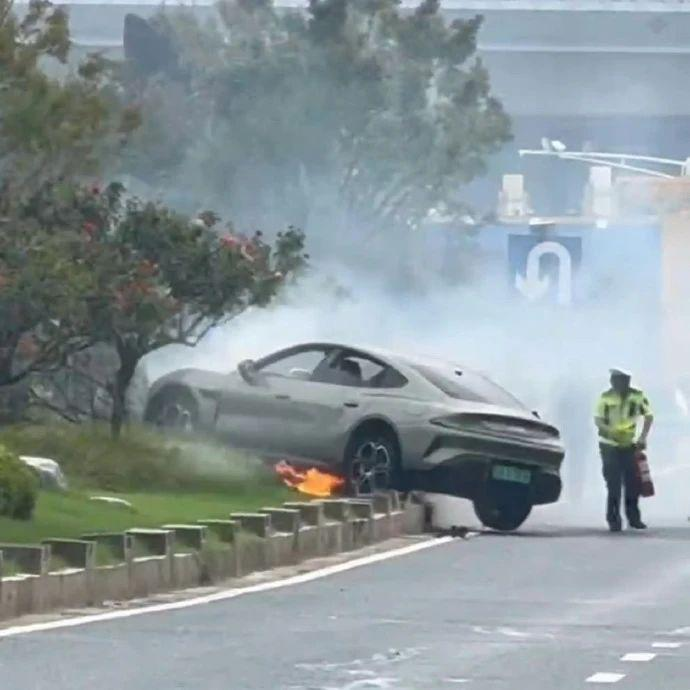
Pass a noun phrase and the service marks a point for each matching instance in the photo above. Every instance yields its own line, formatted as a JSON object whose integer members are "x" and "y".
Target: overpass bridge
{"x": 595, "y": 74}
{"x": 483, "y": 5}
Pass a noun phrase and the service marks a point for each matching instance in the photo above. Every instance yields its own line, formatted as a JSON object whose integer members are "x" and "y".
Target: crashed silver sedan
{"x": 380, "y": 419}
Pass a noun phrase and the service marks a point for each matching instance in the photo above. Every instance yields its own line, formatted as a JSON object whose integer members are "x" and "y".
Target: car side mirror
{"x": 248, "y": 371}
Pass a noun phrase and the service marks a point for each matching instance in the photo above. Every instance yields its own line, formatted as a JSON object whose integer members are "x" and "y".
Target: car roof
{"x": 391, "y": 356}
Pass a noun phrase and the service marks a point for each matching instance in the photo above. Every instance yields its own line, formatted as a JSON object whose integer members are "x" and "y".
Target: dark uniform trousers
{"x": 619, "y": 472}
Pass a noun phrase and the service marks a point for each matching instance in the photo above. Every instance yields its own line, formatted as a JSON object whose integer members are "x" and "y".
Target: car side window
{"x": 300, "y": 364}
{"x": 359, "y": 371}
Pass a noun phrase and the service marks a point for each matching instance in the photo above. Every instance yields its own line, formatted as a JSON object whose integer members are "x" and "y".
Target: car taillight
{"x": 502, "y": 426}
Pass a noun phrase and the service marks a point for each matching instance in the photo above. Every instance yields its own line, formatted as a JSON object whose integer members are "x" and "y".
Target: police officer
{"x": 617, "y": 415}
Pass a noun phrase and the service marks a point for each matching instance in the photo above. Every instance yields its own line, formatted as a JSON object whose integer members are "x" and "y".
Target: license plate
{"x": 507, "y": 473}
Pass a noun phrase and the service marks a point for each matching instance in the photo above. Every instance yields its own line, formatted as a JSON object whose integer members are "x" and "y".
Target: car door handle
{"x": 282, "y": 396}
{"x": 351, "y": 404}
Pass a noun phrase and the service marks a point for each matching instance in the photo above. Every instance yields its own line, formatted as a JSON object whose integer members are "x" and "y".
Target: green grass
{"x": 71, "y": 515}
{"x": 167, "y": 480}
{"x": 141, "y": 459}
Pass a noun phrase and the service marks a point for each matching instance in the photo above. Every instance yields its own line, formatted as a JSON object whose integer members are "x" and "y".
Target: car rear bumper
{"x": 469, "y": 479}
{"x": 462, "y": 466}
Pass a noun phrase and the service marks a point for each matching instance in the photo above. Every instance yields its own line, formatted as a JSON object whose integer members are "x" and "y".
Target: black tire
{"x": 175, "y": 409}
{"x": 501, "y": 511}
{"x": 372, "y": 461}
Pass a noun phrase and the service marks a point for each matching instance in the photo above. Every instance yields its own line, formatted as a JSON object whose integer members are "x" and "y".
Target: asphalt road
{"x": 545, "y": 609}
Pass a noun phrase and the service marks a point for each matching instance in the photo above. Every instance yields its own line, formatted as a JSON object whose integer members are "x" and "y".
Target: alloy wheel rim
{"x": 176, "y": 416}
{"x": 370, "y": 468}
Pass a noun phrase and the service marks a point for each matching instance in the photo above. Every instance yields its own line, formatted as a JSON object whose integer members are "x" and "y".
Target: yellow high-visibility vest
{"x": 621, "y": 416}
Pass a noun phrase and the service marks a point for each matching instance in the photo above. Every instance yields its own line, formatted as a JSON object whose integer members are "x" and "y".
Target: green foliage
{"x": 48, "y": 285}
{"x": 81, "y": 265}
{"x": 18, "y": 487}
{"x": 154, "y": 277}
{"x": 53, "y": 128}
{"x": 355, "y": 106}
{"x": 53, "y": 131}
{"x": 174, "y": 278}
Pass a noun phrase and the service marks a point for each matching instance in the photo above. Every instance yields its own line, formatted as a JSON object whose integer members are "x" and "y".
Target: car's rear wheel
{"x": 372, "y": 461}
{"x": 502, "y": 510}
{"x": 174, "y": 409}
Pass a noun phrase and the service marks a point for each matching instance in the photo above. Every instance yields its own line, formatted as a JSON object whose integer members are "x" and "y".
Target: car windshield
{"x": 467, "y": 385}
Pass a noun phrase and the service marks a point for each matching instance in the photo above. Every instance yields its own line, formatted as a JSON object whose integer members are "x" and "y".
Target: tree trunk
{"x": 123, "y": 377}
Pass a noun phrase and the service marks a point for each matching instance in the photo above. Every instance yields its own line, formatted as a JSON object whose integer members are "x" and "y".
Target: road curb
{"x": 275, "y": 537}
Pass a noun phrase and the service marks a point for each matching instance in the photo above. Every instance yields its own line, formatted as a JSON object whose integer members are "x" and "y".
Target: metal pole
{"x": 606, "y": 158}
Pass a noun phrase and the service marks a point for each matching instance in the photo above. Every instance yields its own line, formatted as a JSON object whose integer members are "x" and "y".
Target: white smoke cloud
{"x": 556, "y": 359}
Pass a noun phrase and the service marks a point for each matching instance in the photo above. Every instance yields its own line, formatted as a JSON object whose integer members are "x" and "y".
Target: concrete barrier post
{"x": 192, "y": 536}
{"x": 382, "y": 520}
{"x": 362, "y": 509}
{"x": 362, "y": 522}
{"x": 119, "y": 544}
{"x": 112, "y": 580}
{"x": 222, "y": 562}
{"x": 312, "y": 541}
{"x": 76, "y": 553}
{"x": 311, "y": 512}
{"x": 383, "y": 503}
{"x": 414, "y": 517}
{"x": 27, "y": 558}
{"x": 253, "y": 549}
{"x": 73, "y": 586}
{"x": 151, "y": 569}
{"x": 284, "y": 542}
{"x": 156, "y": 542}
{"x": 284, "y": 519}
{"x": 337, "y": 509}
{"x": 258, "y": 524}
{"x": 341, "y": 537}
{"x": 188, "y": 568}
{"x": 225, "y": 530}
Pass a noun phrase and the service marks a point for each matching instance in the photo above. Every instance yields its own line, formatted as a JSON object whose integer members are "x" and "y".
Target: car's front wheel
{"x": 372, "y": 461}
{"x": 502, "y": 511}
{"x": 174, "y": 409}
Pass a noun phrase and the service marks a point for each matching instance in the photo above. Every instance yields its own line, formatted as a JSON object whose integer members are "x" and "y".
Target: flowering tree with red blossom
{"x": 81, "y": 265}
{"x": 54, "y": 132}
{"x": 47, "y": 281}
{"x": 167, "y": 279}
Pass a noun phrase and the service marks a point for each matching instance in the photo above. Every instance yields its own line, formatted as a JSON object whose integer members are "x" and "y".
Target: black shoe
{"x": 637, "y": 524}
{"x": 615, "y": 525}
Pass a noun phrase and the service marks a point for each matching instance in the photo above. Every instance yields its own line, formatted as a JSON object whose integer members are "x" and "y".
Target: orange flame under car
{"x": 312, "y": 482}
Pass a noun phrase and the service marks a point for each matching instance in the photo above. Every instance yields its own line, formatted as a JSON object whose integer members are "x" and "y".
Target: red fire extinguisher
{"x": 644, "y": 476}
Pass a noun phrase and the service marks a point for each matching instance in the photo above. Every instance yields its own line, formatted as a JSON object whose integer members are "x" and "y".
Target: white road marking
{"x": 605, "y": 678}
{"x": 638, "y": 656}
{"x": 679, "y": 631}
{"x": 667, "y": 645}
{"x": 510, "y": 632}
{"x": 227, "y": 594}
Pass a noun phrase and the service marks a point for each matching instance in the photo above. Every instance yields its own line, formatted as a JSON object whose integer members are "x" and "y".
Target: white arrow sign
{"x": 534, "y": 286}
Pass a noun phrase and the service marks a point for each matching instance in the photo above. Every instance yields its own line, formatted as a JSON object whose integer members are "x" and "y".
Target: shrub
{"x": 18, "y": 487}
